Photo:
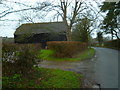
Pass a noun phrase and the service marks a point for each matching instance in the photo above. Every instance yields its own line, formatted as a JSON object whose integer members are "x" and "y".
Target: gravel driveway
{"x": 85, "y": 67}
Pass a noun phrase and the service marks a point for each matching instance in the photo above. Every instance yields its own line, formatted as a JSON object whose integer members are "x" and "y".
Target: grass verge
{"x": 48, "y": 55}
{"x": 44, "y": 78}
{"x": 54, "y": 78}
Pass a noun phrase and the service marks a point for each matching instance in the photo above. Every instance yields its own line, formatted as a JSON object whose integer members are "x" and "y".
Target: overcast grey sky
{"x": 7, "y": 28}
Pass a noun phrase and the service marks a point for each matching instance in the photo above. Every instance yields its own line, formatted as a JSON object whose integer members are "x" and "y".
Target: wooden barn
{"x": 40, "y": 32}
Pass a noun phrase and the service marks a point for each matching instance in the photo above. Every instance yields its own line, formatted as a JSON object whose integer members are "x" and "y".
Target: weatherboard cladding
{"x": 36, "y": 28}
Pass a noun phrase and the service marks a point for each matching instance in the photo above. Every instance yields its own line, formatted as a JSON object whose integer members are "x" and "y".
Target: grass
{"x": 44, "y": 78}
{"x": 48, "y": 55}
{"x": 54, "y": 78}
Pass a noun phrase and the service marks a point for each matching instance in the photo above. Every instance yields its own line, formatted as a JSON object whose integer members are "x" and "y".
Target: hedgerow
{"x": 66, "y": 48}
{"x": 18, "y": 58}
{"x": 113, "y": 44}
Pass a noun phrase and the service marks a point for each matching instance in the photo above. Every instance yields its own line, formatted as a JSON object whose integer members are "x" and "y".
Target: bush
{"x": 10, "y": 82}
{"x": 66, "y": 48}
{"x": 18, "y": 58}
{"x": 113, "y": 44}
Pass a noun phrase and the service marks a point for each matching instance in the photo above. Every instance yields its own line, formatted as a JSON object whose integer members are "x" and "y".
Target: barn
{"x": 40, "y": 32}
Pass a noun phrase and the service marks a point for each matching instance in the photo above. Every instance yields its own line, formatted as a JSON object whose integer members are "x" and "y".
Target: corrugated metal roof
{"x": 36, "y": 28}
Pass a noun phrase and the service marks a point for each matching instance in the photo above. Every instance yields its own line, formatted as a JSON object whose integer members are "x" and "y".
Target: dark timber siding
{"x": 39, "y": 38}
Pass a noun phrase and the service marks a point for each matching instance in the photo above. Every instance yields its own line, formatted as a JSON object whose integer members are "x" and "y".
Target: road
{"x": 101, "y": 69}
{"x": 106, "y": 67}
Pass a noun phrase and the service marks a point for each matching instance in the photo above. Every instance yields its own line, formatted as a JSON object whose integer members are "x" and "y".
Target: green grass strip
{"x": 48, "y": 55}
{"x": 55, "y": 78}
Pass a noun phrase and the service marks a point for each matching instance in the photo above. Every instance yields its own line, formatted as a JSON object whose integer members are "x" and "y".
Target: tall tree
{"x": 76, "y": 10}
{"x": 71, "y": 10}
{"x": 82, "y": 30}
{"x": 111, "y": 23}
{"x": 100, "y": 37}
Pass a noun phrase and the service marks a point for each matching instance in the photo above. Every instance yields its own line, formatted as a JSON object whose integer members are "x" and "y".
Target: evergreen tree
{"x": 111, "y": 23}
{"x": 81, "y": 32}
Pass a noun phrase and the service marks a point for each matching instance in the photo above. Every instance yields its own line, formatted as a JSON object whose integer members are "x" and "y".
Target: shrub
{"x": 18, "y": 58}
{"x": 113, "y": 44}
{"x": 10, "y": 82}
{"x": 66, "y": 48}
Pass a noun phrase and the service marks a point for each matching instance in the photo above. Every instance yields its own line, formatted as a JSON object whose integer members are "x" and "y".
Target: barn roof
{"x": 36, "y": 28}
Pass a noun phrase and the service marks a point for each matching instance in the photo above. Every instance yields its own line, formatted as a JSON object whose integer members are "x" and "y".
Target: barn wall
{"x": 39, "y": 38}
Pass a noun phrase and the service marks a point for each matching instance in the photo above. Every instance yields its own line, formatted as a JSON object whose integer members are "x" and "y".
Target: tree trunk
{"x": 117, "y": 36}
{"x": 111, "y": 34}
{"x": 69, "y": 35}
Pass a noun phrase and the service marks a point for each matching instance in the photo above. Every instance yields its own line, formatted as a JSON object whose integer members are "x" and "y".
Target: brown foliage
{"x": 66, "y": 48}
{"x": 113, "y": 44}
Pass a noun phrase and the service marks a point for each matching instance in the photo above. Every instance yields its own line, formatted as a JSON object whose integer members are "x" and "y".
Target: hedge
{"x": 66, "y": 48}
{"x": 113, "y": 44}
{"x": 18, "y": 58}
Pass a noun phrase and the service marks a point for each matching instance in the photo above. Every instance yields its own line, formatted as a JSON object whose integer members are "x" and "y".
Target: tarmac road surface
{"x": 106, "y": 67}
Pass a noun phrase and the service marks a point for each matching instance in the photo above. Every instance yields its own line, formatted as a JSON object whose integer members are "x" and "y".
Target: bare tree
{"x": 9, "y": 10}
{"x": 69, "y": 20}
{"x": 63, "y": 6}
{"x": 71, "y": 10}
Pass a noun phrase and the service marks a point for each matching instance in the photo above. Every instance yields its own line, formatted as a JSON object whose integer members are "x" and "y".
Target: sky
{"x": 7, "y": 28}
